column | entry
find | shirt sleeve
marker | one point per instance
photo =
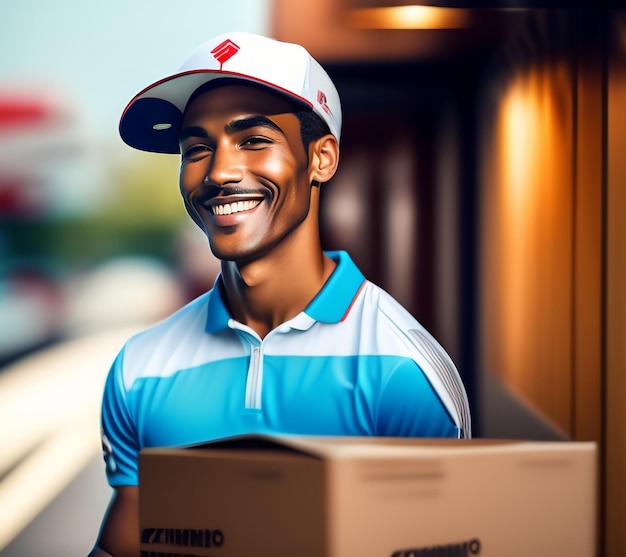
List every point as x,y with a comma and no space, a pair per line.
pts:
410,407
119,435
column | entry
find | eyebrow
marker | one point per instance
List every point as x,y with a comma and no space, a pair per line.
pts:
248,122
238,125
192,131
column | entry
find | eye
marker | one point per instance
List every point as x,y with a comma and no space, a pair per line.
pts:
197,151
255,142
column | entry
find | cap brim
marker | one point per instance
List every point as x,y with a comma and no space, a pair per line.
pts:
152,119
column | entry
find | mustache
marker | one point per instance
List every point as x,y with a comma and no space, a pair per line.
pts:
212,191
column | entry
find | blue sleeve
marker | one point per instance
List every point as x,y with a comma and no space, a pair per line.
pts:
119,434
409,406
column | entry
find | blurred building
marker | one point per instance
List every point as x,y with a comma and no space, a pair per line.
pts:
39,139
482,183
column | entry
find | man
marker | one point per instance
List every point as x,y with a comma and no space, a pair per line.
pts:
291,340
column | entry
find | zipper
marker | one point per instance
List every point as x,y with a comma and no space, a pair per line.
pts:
254,381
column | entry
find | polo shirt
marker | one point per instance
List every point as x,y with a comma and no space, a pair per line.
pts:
353,363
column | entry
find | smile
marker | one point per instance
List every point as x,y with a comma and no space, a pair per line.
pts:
234,207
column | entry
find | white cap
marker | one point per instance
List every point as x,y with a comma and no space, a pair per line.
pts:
152,119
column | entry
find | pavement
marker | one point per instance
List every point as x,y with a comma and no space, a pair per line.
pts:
53,491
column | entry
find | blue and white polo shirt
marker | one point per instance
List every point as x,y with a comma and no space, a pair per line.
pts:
354,362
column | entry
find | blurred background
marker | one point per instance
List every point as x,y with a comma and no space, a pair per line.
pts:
481,183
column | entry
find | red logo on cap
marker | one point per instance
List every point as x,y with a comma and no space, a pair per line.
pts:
321,98
225,51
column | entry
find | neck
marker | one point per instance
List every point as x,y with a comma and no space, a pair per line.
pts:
273,289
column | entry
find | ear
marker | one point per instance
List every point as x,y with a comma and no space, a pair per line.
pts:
323,159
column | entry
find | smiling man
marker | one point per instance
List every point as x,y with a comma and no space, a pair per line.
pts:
291,339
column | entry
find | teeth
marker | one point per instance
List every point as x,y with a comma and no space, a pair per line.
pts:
234,207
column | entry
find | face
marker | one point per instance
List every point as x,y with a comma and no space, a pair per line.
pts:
244,171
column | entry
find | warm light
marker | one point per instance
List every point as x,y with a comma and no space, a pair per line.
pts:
520,132
527,230
409,17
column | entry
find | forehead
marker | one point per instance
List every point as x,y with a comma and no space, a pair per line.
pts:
230,100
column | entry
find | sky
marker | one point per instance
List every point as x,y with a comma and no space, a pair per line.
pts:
89,58
98,55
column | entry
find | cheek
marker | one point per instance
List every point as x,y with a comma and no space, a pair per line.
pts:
190,176
285,170
186,182
183,180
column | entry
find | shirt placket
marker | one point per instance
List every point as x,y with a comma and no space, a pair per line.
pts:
254,382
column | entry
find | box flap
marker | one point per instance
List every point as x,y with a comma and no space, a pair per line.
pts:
254,442
350,447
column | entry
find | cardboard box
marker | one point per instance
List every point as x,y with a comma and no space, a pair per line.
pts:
282,496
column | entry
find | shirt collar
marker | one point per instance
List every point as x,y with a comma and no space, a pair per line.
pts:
331,305
217,314
334,300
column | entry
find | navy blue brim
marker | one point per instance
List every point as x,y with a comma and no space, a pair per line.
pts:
152,125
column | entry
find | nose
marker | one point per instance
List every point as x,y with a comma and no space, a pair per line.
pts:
224,167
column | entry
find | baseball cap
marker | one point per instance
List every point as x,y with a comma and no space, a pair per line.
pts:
152,119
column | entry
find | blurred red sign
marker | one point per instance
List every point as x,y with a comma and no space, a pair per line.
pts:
23,112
